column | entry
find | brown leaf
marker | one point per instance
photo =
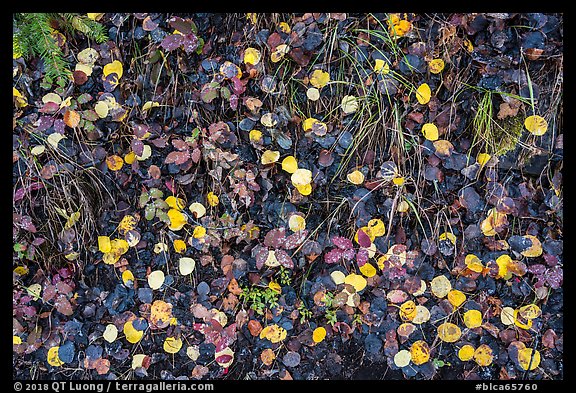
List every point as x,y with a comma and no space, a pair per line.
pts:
71,118
254,327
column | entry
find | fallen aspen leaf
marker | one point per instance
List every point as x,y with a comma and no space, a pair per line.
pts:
52,357
466,353
113,67
212,199
355,177
197,209
175,203
172,344
177,219
349,104
179,246
313,94
420,352
537,125
456,297
289,164
436,66
356,280
132,335
483,355
156,279
473,263
274,333
408,310
252,56
301,177
319,79
110,333
402,358
296,223
507,316
127,276
186,265
472,319
449,332
381,67
104,244
368,270
423,94
279,52
199,232
440,286
269,157
319,334
430,131
528,359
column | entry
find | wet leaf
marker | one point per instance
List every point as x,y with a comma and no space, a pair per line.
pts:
402,358
274,333
408,311
186,265
132,335
110,333
338,277
423,93
436,66
430,131
420,352
113,67
472,319
483,355
156,279
289,164
104,244
449,332
422,315
319,79
537,125
466,352
474,263
160,314
301,177
319,334
269,157
172,344
530,311
368,270
355,177
507,316
252,56
440,286
528,359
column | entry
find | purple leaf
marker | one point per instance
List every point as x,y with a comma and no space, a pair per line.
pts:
44,123
555,277
275,238
172,42
140,130
537,269
362,257
349,254
284,259
183,26
237,86
59,126
233,102
137,146
50,108
190,43
333,256
342,243
295,239
363,239
260,254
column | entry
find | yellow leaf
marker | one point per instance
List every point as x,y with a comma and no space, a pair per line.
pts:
130,158
521,322
274,333
110,333
199,232
483,355
430,131
110,258
356,280
175,203
301,177
50,97
296,223
54,138
149,105
197,209
420,352
127,223
440,286
313,94
156,279
305,189
530,311
355,177
422,315
468,45
72,220
338,277
381,67
474,263
528,359
273,285
349,104
53,358
177,220
448,235
466,352
284,27
403,207
252,56
104,244
34,290
436,66
503,262
449,332
472,319
289,164
507,316
319,79
309,123
368,270
483,158
377,227
172,344
179,246
115,66
493,221
132,335
212,199
186,265
402,358
95,16
255,136
279,53
423,94
368,231
319,334
16,340
535,250
127,276
456,297
101,109
269,157
114,163
138,360
537,125
21,270
408,310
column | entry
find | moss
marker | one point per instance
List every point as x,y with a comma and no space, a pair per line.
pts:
507,133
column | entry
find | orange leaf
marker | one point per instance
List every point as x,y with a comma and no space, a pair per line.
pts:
71,118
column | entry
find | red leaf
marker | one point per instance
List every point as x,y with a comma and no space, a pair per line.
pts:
177,157
183,26
342,243
172,42
362,257
363,239
333,256
275,238
284,259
